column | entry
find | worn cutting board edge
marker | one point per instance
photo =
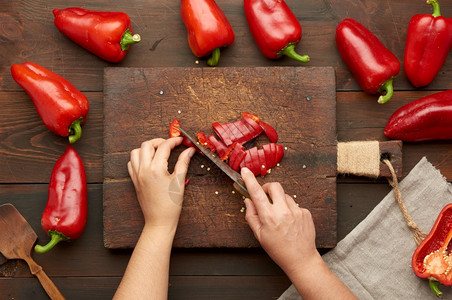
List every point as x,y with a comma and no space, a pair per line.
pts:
312,88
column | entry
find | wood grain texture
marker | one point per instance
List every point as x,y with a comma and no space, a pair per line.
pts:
84,268
141,103
29,150
180,287
28,30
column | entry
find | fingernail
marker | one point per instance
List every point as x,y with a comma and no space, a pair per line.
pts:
245,170
191,152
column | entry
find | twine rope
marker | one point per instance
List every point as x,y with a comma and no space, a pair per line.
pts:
419,236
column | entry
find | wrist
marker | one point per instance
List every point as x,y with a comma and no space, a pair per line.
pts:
304,267
159,231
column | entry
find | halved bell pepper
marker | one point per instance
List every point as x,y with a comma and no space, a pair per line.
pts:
433,257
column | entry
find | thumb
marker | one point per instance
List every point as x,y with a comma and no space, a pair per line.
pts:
183,161
253,218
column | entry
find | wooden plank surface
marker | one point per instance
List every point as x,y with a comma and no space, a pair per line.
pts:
299,102
28,150
28,32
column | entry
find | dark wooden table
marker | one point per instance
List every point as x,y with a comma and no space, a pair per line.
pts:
84,269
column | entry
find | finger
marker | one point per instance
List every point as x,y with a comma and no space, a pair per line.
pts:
276,193
252,218
183,162
291,202
257,194
163,152
148,150
130,169
135,158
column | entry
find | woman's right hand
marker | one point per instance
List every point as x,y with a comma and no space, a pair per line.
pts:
285,230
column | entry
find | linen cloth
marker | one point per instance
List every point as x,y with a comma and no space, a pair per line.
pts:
374,259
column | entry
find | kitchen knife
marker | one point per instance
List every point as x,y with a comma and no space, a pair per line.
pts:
238,184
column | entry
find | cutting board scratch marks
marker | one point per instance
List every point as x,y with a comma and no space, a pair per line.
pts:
211,213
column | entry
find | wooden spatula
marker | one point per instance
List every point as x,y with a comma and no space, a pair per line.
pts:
16,242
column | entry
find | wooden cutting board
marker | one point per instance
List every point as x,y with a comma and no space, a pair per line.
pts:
300,102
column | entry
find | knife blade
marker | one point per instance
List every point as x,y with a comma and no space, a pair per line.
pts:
238,184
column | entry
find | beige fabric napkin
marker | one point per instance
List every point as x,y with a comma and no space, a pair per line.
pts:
374,260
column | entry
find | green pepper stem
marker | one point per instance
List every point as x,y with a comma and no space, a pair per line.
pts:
129,39
388,91
436,10
75,130
434,286
213,60
55,238
289,51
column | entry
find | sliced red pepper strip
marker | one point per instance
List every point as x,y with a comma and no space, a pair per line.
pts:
229,133
241,126
173,130
205,141
221,148
239,136
232,157
269,131
251,116
269,155
279,153
222,134
262,162
238,160
255,164
225,156
256,127
66,212
106,34
246,161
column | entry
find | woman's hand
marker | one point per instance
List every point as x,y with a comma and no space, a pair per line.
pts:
159,193
284,230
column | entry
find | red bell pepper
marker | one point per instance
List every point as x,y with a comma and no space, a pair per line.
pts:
429,40
62,107
175,132
251,116
239,131
236,156
269,131
66,212
208,28
433,257
205,141
259,161
274,27
427,118
372,64
222,150
106,34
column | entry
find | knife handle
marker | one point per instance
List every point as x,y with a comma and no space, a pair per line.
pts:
240,189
